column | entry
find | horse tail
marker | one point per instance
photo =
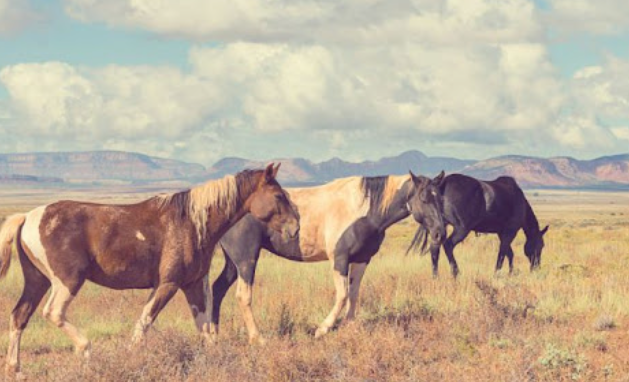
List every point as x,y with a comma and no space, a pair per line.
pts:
7,234
420,241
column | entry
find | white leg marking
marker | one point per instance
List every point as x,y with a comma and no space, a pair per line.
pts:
341,285
356,272
244,294
13,354
143,323
55,312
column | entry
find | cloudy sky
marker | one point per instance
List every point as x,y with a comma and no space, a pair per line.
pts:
199,80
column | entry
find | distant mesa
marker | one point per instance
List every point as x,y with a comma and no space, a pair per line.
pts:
97,166
118,167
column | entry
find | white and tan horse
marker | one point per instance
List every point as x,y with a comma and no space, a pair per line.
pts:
343,221
164,243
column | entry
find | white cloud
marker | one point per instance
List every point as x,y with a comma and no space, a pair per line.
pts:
15,15
600,17
403,89
621,132
603,90
471,71
330,22
410,87
57,99
582,133
595,109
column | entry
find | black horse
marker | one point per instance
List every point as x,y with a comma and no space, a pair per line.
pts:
498,206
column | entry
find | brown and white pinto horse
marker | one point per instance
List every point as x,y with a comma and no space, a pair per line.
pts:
343,221
164,243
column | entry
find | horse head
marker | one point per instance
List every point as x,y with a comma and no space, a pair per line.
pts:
426,207
533,248
269,203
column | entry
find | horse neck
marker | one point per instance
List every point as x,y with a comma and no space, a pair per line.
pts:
220,221
391,215
531,225
246,186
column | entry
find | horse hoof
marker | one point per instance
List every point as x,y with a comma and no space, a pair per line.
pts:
321,332
85,351
209,339
13,373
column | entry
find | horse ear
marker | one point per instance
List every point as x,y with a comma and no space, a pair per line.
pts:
416,180
439,178
269,172
276,169
542,232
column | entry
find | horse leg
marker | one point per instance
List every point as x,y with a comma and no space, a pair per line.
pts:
356,272
57,306
501,259
244,294
199,302
219,289
339,274
35,287
160,297
457,236
434,255
505,249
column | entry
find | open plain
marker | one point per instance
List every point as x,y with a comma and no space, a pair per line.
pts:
567,321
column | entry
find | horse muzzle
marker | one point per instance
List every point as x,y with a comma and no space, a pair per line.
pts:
290,231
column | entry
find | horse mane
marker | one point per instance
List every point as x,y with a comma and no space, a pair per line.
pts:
381,190
531,225
419,242
226,194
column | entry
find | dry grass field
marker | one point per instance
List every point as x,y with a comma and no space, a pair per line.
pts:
569,321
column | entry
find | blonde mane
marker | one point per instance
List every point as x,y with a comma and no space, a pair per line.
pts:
394,183
381,190
221,194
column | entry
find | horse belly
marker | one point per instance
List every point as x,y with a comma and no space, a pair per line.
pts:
490,225
125,264
136,274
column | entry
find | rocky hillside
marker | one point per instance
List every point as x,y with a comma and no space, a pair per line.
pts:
299,170
95,166
610,171
102,167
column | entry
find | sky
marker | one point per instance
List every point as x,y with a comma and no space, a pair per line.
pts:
199,80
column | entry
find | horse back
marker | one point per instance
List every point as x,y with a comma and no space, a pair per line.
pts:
506,200
484,206
325,214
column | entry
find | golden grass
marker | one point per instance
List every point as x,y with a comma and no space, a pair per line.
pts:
568,321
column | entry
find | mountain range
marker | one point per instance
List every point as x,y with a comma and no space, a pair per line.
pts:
116,167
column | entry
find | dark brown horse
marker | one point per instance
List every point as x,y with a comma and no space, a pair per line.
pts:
164,243
498,206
